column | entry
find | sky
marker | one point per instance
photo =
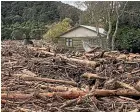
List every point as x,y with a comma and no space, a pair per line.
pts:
73,3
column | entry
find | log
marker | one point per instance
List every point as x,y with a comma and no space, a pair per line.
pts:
95,55
96,92
42,50
135,110
47,53
93,76
25,71
58,88
84,62
124,85
74,94
48,80
16,96
38,48
79,61
19,109
137,87
135,72
65,95
6,101
4,88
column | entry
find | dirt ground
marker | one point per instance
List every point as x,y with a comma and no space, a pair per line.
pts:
39,79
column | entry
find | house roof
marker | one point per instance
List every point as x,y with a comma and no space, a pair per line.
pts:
101,30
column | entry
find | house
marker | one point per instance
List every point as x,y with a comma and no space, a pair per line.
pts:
74,38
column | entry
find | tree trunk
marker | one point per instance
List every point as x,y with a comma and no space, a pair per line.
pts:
48,80
114,35
109,31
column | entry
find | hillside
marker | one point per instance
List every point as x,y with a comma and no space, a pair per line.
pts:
34,14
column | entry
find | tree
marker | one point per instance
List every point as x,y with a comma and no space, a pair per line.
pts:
58,29
32,17
118,15
17,35
128,39
131,16
105,13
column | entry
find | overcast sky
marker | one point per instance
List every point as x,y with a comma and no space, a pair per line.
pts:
73,3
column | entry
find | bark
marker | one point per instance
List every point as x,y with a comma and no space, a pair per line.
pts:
95,55
92,76
117,23
6,101
48,80
124,85
79,61
16,96
74,94
25,71
109,30
137,87
116,29
114,35
96,92
58,88
42,51
84,62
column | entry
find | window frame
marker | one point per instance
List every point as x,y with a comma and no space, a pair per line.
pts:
69,42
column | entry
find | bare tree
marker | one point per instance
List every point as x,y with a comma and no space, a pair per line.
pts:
105,12
118,15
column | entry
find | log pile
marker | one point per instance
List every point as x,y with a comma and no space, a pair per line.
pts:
41,80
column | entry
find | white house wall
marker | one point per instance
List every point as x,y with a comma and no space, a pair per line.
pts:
80,32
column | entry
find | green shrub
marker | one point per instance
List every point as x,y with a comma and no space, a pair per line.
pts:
129,39
58,29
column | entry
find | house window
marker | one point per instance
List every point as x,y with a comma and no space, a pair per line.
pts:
69,42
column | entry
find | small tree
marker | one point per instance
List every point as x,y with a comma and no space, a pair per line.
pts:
16,35
129,39
58,29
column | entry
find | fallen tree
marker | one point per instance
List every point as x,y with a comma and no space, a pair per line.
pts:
48,80
96,92
80,61
75,94
16,96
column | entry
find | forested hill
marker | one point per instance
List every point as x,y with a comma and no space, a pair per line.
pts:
34,14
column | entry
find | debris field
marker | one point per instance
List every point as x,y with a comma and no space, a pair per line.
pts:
45,79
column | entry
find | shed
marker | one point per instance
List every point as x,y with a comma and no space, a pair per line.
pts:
74,38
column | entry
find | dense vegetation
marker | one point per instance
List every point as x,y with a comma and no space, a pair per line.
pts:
58,29
33,18
128,36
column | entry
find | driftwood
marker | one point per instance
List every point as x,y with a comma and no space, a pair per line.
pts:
16,96
29,78
135,110
74,94
25,71
137,87
5,101
22,87
58,88
96,92
124,85
84,62
95,55
92,76
79,61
